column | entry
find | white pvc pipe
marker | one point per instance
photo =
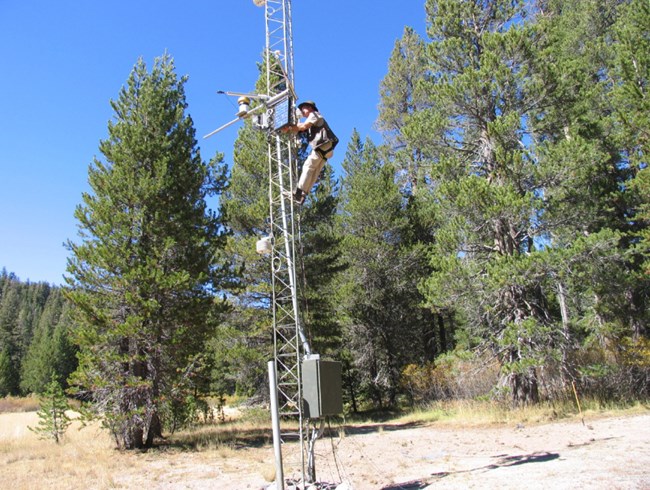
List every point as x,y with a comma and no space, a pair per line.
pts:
275,423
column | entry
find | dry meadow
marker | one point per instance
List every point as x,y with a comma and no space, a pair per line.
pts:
598,452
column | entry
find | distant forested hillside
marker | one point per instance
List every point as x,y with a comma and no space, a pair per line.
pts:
34,336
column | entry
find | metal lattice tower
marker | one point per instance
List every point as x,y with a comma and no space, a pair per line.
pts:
289,341
290,347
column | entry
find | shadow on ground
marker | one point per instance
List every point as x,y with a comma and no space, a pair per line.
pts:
504,461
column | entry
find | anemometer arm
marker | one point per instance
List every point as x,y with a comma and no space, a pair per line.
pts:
221,127
244,110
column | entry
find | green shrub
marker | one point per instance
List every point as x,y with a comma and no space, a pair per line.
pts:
53,421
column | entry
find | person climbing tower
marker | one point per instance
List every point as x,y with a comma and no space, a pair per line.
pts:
322,141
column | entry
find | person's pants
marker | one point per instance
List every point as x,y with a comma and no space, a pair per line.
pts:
311,170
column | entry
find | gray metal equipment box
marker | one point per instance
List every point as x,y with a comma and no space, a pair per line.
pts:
321,388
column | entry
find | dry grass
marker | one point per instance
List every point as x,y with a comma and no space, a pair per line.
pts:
470,413
15,404
84,458
87,457
220,436
196,458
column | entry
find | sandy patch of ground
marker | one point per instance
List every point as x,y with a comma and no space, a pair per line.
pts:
606,453
612,453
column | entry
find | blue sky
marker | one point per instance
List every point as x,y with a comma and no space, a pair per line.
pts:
62,62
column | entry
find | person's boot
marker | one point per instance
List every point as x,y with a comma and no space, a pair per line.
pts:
299,196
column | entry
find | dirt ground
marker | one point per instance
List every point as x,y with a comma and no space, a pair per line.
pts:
605,453
611,453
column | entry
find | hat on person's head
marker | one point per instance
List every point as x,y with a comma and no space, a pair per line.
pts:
309,103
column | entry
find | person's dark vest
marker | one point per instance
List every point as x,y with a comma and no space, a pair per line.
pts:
321,138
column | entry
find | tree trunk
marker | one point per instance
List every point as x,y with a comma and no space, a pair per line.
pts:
133,438
524,388
155,430
443,334
566,371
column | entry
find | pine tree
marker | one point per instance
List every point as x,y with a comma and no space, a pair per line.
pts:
144,275
51,351
53,421
402,95
587,137
10,306
378,295
65,351
631,71
7,374
530,191
242,347
319,265
483,200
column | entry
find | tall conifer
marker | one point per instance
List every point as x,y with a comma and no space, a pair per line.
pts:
143,275
483,199
379,303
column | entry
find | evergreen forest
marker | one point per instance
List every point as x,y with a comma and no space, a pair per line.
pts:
494,245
